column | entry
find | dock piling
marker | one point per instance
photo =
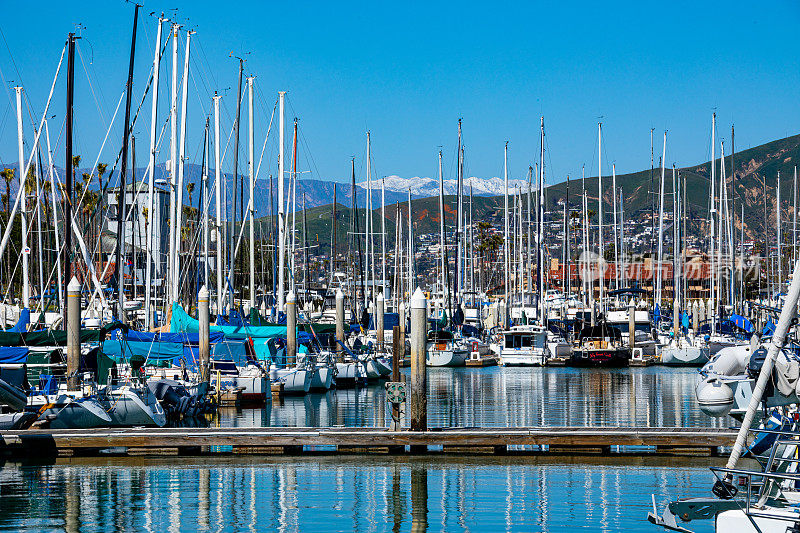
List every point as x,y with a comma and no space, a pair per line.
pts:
419,377
73,332
379,309
291,329
631,325
204,333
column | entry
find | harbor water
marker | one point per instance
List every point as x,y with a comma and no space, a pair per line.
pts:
392,493
331,494
652,396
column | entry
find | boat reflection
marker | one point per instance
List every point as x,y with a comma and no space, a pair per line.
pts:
506,396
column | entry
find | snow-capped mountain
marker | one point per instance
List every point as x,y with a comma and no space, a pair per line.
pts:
426,187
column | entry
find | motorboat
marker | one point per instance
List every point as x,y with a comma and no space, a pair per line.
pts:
524,346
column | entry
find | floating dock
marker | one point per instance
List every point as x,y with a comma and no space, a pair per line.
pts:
333,440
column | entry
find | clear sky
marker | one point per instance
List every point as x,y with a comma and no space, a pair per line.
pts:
407,71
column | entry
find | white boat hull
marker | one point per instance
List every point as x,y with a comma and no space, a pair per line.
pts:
454,357
684,355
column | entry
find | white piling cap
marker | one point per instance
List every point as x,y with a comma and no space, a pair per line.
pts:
380,296
291,298
339,294
203,293
418,300
74,285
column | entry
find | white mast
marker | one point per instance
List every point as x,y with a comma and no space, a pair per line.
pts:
660,259
410,249
778,227
218,185
616,241
601,273
712,213
173,145
150,188
179,206
540,241
281,211
622,238
676,248
252,169
506,250
51,171
445,288
23,213
367,230
204,193
794,217
528,270
383,235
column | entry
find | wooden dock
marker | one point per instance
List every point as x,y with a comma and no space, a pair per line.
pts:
332,440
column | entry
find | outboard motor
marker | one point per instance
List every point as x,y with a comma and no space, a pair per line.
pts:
754,369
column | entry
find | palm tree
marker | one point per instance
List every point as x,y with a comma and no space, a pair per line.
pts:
8,176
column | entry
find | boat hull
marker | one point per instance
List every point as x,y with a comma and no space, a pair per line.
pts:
600,357
447,357
78,414
684,356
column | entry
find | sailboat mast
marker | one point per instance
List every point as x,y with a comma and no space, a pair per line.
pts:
204,196
68,160
506,242
601,273
540,219
173,146
442,254
778,228
660,259
457,280
616,241
237,124
712,257
383,237
119,269
218,198
24,210
252,191
281,208
410,249
181,158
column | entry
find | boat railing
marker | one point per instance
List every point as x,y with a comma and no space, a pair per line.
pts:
751,507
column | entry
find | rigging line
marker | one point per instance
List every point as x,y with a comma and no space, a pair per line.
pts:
91,86
97,160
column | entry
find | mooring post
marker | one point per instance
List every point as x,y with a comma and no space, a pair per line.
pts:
339,324
631,325
204,333
380,303
291,329
397,342
402,313
73,332
419,378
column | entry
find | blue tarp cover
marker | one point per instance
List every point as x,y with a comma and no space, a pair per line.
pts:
182,337
13,354
22,324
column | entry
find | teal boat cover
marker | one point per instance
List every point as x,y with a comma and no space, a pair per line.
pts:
182,323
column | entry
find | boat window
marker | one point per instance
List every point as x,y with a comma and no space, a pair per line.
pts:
509,341
526,341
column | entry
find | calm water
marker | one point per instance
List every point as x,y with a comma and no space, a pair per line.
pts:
516,396
344,494
396,493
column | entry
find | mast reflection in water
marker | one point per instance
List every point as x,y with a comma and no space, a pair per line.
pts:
497,396
343,494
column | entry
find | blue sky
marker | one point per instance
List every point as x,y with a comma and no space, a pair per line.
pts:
407,71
